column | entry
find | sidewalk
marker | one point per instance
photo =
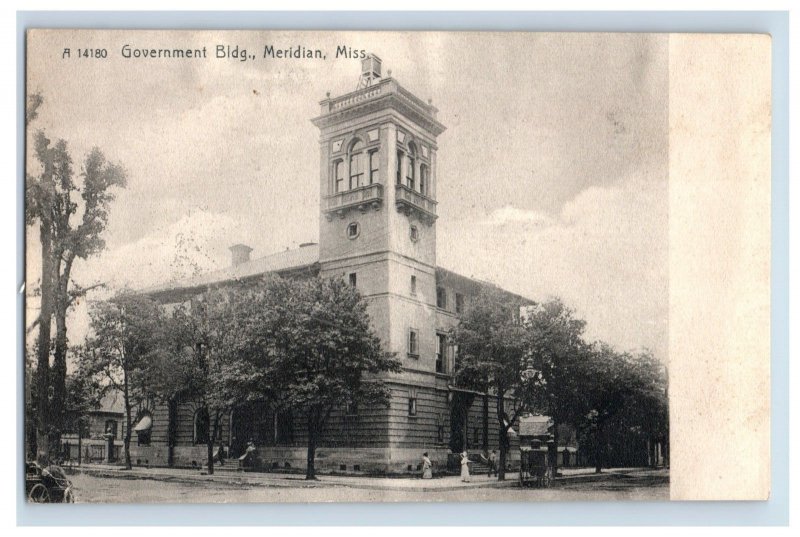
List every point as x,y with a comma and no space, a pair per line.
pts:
445,483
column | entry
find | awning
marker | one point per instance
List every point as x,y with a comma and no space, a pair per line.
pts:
145,424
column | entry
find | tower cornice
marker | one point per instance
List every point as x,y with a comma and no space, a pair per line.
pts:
386,94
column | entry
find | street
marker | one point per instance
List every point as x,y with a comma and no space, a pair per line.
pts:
95,489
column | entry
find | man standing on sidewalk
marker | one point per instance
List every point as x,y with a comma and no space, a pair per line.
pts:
493,463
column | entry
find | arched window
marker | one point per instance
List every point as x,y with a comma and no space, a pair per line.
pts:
338,174
411,166
356,164
201,424
400,157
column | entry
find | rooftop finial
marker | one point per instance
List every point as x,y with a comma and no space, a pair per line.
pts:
370,71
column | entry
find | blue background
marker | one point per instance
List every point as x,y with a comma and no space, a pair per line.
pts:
772,512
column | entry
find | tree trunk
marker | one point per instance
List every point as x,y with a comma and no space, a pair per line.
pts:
210,443
128,429
43,351
555,441
312,448
486,424
58,378
598,450
501,418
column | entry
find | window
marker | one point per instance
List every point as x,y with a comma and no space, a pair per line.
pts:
201,425
111,428
353,230
476,436
441,298
459,303
413,342
352,279
374,166
399,167
351,408
441,348
423,179
440,429
410,167
338,173
414,233
356,169
413,285
412,402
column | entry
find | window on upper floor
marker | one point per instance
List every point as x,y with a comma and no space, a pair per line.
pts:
423,179
459,303
441,356
338,174
411,167
413,285
356,164
353,230
400,157
374,166
441,298
413,342
352,278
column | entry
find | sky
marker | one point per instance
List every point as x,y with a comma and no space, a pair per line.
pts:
551,175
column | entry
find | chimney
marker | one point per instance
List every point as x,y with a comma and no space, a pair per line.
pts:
240,253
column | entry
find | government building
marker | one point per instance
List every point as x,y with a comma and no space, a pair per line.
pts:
378,204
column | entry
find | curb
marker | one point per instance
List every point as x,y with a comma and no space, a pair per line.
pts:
260,480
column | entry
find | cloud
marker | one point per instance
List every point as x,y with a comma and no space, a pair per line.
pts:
605,255
198,240
512,215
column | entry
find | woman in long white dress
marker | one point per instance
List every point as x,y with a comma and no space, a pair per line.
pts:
427,467
464,467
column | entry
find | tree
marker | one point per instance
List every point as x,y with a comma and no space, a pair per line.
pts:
192,361
51,201
626,395
308,346
40,201
125,331
556,347
492,350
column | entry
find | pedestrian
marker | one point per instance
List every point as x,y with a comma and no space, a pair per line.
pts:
464,467
427,467
493,463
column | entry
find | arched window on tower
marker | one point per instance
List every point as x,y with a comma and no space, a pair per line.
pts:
411,166
356,164
338,174
423,179
374,166
400,157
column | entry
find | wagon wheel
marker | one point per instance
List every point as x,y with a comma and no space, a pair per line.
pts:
39,494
